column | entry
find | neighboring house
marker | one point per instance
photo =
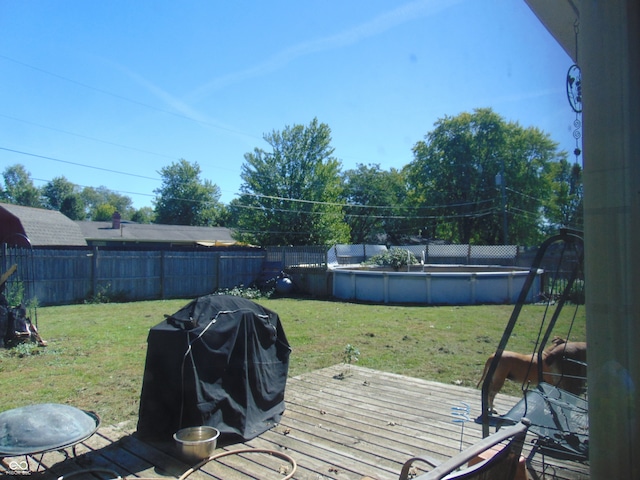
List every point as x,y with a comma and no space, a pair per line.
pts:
118,233
74,261
37,227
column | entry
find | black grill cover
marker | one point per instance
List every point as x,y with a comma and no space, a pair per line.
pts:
220,361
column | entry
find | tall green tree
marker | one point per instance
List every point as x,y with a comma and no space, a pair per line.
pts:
98,201
143,215
73,207
19,188
290,195
103,212
452,179
185,199
55,191
565,206
375,201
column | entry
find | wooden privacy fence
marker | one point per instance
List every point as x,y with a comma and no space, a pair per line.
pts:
64,276
60,276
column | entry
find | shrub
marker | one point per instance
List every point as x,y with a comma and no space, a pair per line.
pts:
250,293
395,258
104,294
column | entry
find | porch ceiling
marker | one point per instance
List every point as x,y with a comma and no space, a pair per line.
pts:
560,18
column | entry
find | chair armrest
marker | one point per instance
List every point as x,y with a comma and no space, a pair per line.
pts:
512,433
404,473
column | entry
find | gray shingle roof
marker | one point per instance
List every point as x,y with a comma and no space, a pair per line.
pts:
52,228
137,232
42,227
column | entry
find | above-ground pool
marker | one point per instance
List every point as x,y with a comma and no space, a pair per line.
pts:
434,284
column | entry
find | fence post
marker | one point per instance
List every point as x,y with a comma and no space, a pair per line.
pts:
5,253
162,274
94,271
216,259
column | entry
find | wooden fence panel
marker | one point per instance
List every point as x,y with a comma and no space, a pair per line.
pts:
66,276
237,270
133,275
61,277
189,274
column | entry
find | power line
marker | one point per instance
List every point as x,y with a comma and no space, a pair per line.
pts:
106,142
352,205
77,164
314,202
126,99
89,186
477,214
270,197
523,194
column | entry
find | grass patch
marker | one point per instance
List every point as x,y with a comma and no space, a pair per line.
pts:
96,353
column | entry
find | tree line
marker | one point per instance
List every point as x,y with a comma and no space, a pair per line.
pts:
475,178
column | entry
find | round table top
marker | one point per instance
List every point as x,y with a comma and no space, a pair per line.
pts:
44,427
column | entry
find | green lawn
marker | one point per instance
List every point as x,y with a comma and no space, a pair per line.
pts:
96,353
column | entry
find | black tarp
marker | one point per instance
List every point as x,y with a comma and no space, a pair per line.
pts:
220,361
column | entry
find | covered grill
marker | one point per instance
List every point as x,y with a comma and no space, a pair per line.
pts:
220,361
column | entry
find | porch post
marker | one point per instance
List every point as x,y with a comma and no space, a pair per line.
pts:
609,56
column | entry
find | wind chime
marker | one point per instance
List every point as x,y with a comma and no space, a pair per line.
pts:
574,94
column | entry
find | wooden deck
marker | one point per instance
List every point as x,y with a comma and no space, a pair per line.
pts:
365,424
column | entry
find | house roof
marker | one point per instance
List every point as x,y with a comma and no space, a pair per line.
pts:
40,226
153,233
27,226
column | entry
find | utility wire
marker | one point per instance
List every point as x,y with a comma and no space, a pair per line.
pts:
257,195
353,205
522,194
126,99
315,202
77,164
106,142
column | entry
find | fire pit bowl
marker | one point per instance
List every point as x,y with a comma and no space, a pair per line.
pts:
196,443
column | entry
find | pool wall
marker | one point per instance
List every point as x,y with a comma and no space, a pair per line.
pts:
451,286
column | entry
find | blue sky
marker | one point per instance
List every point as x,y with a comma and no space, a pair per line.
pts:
107,93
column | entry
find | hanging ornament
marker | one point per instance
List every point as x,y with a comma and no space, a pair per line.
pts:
574,95
574,88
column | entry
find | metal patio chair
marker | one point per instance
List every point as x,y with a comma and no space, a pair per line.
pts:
502,465
557,407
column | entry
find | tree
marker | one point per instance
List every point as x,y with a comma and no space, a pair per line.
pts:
19,189
62,195
375,200
73,207
184,199
56,190
103,213
452,179
565,206
290,196
143,215
100,200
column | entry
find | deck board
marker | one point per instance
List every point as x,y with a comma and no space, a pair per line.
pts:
366,423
